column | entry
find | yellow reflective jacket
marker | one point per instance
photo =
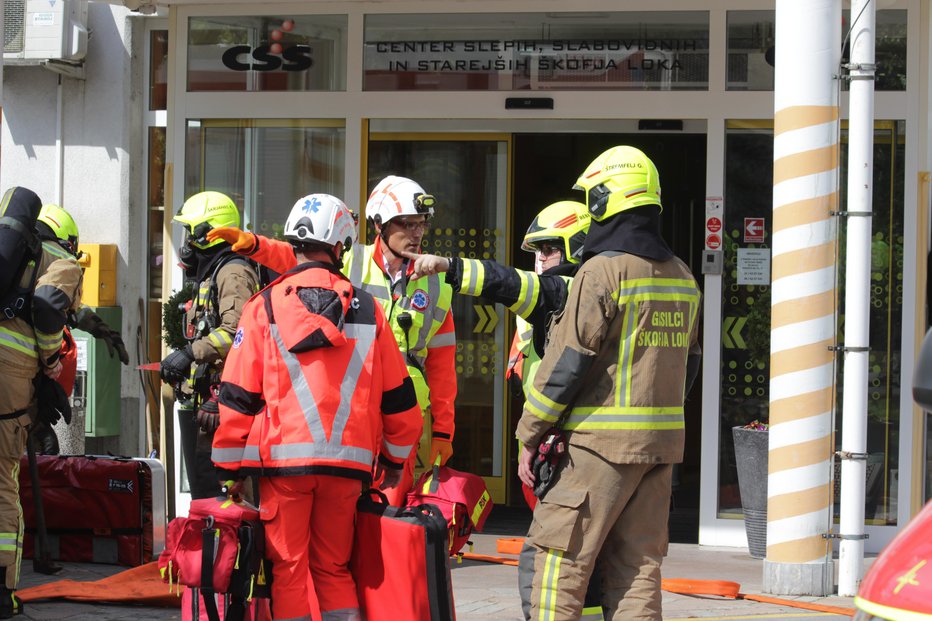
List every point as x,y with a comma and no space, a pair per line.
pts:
57,292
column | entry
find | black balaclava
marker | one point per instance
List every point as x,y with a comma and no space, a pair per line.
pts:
206,259
633,231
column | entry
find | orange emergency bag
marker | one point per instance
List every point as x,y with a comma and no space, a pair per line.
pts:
462,497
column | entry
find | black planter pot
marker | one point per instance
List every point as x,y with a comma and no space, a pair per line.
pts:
751,448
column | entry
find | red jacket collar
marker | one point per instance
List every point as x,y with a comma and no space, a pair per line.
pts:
379,258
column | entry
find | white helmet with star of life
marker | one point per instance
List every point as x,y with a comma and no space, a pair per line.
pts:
322,219
398,196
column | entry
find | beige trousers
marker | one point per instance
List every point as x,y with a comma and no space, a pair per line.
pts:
617,513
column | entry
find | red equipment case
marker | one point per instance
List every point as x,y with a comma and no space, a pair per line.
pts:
462,497
98,509
399,555
194,609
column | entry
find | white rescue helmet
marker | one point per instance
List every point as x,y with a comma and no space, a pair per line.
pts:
323,219
398,196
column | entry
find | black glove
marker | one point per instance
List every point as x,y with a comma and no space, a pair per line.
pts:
51,401
176,367
91,322
547,460
44,439
208,416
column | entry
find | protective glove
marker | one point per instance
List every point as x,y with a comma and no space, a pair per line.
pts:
240,241
51,401
440,447
176,366
208,416
91,322
44,439
233,485
389,477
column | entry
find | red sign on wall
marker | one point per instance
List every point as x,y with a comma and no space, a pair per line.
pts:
754,230
713,241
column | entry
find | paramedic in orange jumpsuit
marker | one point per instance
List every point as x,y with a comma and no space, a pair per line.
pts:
314,392
417,306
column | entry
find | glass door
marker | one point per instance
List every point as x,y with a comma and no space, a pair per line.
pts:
468,174
745,353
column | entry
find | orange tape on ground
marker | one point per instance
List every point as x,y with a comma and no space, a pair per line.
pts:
501,560
722,588
838,610
507,545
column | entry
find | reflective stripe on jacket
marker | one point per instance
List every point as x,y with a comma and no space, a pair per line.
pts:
431,339
616,360
534,298
301,394
57,293
236,282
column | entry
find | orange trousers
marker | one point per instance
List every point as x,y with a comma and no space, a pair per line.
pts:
309,523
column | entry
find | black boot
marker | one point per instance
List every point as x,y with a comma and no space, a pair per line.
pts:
9,604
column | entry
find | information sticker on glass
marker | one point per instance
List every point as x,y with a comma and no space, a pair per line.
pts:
753,266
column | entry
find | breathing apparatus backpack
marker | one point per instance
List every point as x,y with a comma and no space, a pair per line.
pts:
19,246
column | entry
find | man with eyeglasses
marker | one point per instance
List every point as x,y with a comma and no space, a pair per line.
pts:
417,308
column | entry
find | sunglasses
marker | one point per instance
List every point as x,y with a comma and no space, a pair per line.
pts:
545,249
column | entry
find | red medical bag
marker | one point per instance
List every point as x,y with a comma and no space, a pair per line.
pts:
194,609
97,509
400,554
217,552
462,497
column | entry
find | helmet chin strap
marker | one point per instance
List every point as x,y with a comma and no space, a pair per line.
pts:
384,237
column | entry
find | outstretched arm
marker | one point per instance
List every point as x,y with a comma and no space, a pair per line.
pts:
531,296
274,254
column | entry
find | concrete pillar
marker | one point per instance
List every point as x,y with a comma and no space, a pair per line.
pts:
802,374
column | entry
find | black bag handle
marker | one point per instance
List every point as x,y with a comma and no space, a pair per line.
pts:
207,570
247,550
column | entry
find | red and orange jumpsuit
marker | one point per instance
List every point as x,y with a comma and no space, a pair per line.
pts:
419,315
313,392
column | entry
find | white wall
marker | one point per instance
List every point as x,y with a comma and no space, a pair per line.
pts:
103,169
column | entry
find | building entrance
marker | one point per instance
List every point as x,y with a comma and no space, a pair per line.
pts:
489,187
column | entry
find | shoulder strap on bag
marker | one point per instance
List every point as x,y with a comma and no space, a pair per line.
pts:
208,537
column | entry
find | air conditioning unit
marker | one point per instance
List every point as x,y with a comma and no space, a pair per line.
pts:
37,31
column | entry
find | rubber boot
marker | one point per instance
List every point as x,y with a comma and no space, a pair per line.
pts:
9,604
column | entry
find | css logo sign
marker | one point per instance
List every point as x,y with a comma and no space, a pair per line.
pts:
237,58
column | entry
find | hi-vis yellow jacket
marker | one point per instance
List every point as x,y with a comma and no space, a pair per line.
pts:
27,346
615,363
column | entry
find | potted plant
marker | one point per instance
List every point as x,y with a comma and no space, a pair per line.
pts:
751,448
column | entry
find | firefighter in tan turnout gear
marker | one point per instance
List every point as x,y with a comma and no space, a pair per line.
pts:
615,372
225,281
46,289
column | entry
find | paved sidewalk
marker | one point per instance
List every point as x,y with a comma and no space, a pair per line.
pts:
487,591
